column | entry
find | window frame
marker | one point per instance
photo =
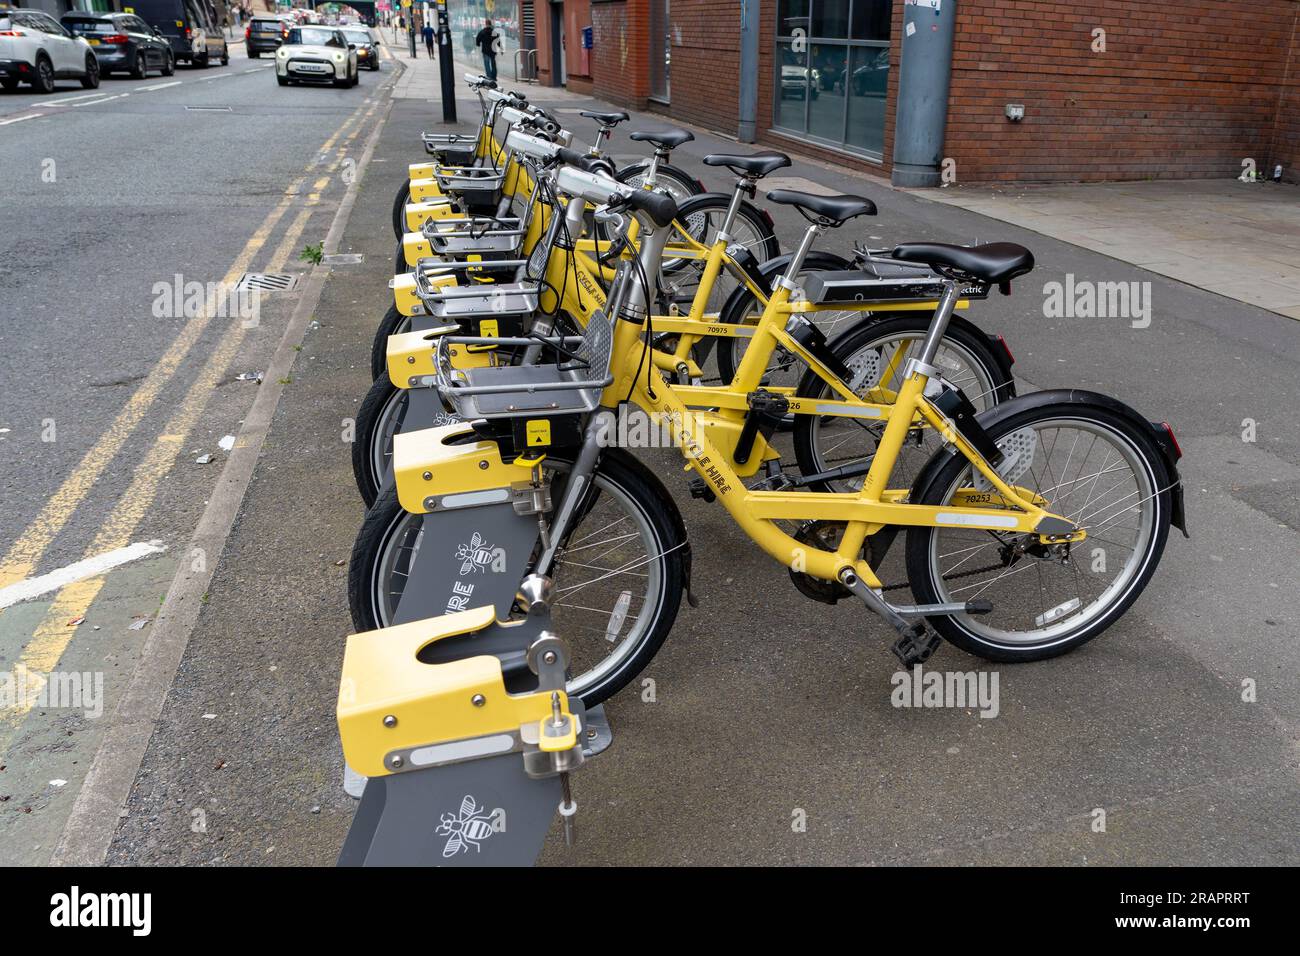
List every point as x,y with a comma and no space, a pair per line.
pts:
786,41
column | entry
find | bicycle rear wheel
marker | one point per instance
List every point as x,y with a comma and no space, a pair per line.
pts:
1096,463
876,352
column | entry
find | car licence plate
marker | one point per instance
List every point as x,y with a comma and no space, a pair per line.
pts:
310,67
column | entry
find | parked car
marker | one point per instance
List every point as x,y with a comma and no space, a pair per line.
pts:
367,48
36,49
265,34
873,76
123,43
317,53
798,81
189,26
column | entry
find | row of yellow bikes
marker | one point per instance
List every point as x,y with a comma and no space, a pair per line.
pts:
562,330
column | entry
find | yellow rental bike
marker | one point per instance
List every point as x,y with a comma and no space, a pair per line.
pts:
1002,524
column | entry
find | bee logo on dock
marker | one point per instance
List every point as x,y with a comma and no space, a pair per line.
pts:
468,828
478,555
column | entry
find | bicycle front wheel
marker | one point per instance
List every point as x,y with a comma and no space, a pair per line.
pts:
618,577
1094,462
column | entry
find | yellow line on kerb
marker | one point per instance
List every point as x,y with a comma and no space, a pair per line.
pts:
52,636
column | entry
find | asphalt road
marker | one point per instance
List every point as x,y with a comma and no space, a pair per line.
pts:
113,201
770,709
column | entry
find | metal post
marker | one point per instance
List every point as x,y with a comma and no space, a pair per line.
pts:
923,79
747,127
445,65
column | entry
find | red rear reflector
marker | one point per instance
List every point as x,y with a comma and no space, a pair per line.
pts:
1178,451
116,38
12,33
1006,348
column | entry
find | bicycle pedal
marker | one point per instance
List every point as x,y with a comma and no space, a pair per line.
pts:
699,488
916,644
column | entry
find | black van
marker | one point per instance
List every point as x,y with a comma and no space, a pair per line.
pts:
190,26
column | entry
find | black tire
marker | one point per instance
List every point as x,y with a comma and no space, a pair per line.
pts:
742,307
933,487
43,76
399,260
637,487
961,334
399,208
760,223
225,55
8,85
382,401
169,64
392,323
282,80
139,69
254,55
91,80
203,62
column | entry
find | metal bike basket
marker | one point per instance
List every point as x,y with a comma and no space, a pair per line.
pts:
570,386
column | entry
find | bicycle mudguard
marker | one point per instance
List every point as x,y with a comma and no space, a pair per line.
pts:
450,721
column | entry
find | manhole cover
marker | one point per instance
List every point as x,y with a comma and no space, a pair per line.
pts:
342,259
267,282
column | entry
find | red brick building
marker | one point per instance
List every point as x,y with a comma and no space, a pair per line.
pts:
1111,89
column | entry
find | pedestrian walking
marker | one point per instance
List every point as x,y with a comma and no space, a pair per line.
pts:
427,33
486,41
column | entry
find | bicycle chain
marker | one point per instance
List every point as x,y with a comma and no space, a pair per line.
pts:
950,577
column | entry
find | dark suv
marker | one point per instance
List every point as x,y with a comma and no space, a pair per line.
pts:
264,35
123,43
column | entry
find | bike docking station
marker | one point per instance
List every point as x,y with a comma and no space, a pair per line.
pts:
459,737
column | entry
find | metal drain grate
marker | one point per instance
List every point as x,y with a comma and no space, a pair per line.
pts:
267,282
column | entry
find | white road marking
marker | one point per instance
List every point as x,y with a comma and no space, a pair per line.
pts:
157,86
69,99
79,571
97,102
219,76
256,69
19,119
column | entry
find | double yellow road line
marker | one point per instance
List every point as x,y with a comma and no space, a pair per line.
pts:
52,636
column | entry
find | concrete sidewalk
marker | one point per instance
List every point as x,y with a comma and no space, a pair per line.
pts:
1239,240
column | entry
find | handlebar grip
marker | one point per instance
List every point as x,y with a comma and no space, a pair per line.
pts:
660,207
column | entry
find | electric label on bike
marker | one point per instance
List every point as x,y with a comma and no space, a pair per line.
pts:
489,329
538,432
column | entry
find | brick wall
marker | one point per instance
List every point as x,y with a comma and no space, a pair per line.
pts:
1182,90
620,67
705,82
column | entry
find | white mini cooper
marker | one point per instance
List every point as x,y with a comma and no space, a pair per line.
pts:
318,54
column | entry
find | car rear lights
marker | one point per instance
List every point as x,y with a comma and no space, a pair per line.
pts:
12,33
115,38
